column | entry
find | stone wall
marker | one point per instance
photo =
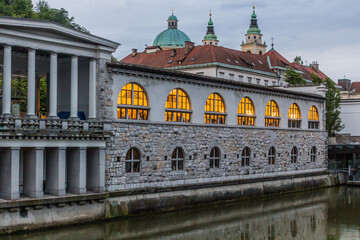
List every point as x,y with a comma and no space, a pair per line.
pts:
157,141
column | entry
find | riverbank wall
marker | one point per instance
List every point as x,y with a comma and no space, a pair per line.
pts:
30,214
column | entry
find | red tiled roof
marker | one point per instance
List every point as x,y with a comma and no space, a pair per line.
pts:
276,59
307,70
200,55
355,87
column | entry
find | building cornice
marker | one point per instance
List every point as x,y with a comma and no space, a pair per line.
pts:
217,64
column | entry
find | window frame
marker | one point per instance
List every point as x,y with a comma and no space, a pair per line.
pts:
271,156
177,159
313,123
294,122
209,115
131,107
214,161
274,119
294,155
247,118
177,110
313,154
131,161
245,157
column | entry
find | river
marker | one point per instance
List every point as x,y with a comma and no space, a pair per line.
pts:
332,213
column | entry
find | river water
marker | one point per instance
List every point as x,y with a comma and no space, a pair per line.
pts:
332,213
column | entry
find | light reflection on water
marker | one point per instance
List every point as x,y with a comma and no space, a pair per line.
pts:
322,214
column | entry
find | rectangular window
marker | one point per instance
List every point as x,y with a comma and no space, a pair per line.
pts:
200,73
249,79
266,82
294,124
274,83
313,125
241,78
221,75
272,122
231,76
258,81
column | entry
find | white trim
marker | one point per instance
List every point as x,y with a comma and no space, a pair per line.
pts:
34,143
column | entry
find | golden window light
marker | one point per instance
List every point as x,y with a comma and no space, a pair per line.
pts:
246,113
313,114
177,107
132,103
294,112
215,109
272,109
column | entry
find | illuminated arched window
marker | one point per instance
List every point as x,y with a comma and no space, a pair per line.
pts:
215,158
132,161
272,114
294,155
133,103
313,118
245,157
177,160
272,156
177,107
294,116
313,154
215,109
246,112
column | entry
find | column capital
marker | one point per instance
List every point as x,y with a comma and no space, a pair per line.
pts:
62,148
54,53
15,148
82,148
6,45
31,49
74,56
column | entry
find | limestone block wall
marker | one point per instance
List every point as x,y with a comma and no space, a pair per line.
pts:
157,141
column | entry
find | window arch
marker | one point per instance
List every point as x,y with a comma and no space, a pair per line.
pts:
215,158
294,116
260,53
132,161
313,118
246,112
133,103
245,157
294,155
313,154
272,114
215,109
177,107
177,159
272,156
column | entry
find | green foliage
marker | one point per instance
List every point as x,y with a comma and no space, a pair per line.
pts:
333,120
113,59
25,9
293,78
298,60
316,79
43,96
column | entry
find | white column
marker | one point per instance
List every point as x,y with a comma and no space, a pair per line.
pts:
7,81
76,170
9,173
92,89
34,172
53,84
31,91
55,171
74,87
95,180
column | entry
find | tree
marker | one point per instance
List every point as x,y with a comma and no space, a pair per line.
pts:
25,9
333,120
293,78
316,79
298,60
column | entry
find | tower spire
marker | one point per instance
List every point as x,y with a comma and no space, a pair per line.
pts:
210,37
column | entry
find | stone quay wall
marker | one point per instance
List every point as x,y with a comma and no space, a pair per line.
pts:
157,141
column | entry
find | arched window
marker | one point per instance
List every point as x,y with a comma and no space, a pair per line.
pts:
246,113
260,53
313,154
215,158
294,116
177,160
245,157
132,161
177,107
272,156
294,155
313,118
133,103
249,51
272,114
215,109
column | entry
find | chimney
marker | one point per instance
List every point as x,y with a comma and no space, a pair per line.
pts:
173,52
134,52
315,66
188,47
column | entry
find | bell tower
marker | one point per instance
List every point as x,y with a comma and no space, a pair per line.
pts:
210,37
253,36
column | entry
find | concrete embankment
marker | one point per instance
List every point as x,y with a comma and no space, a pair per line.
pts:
29,214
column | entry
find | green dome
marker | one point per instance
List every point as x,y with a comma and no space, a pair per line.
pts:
171,37
253,30
172,17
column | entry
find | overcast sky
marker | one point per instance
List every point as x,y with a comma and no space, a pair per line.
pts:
327,31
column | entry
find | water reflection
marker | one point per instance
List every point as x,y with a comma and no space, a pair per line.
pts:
322,214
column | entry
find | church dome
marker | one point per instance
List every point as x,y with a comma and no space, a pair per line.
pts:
171,37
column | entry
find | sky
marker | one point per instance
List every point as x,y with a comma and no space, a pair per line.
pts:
326,31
